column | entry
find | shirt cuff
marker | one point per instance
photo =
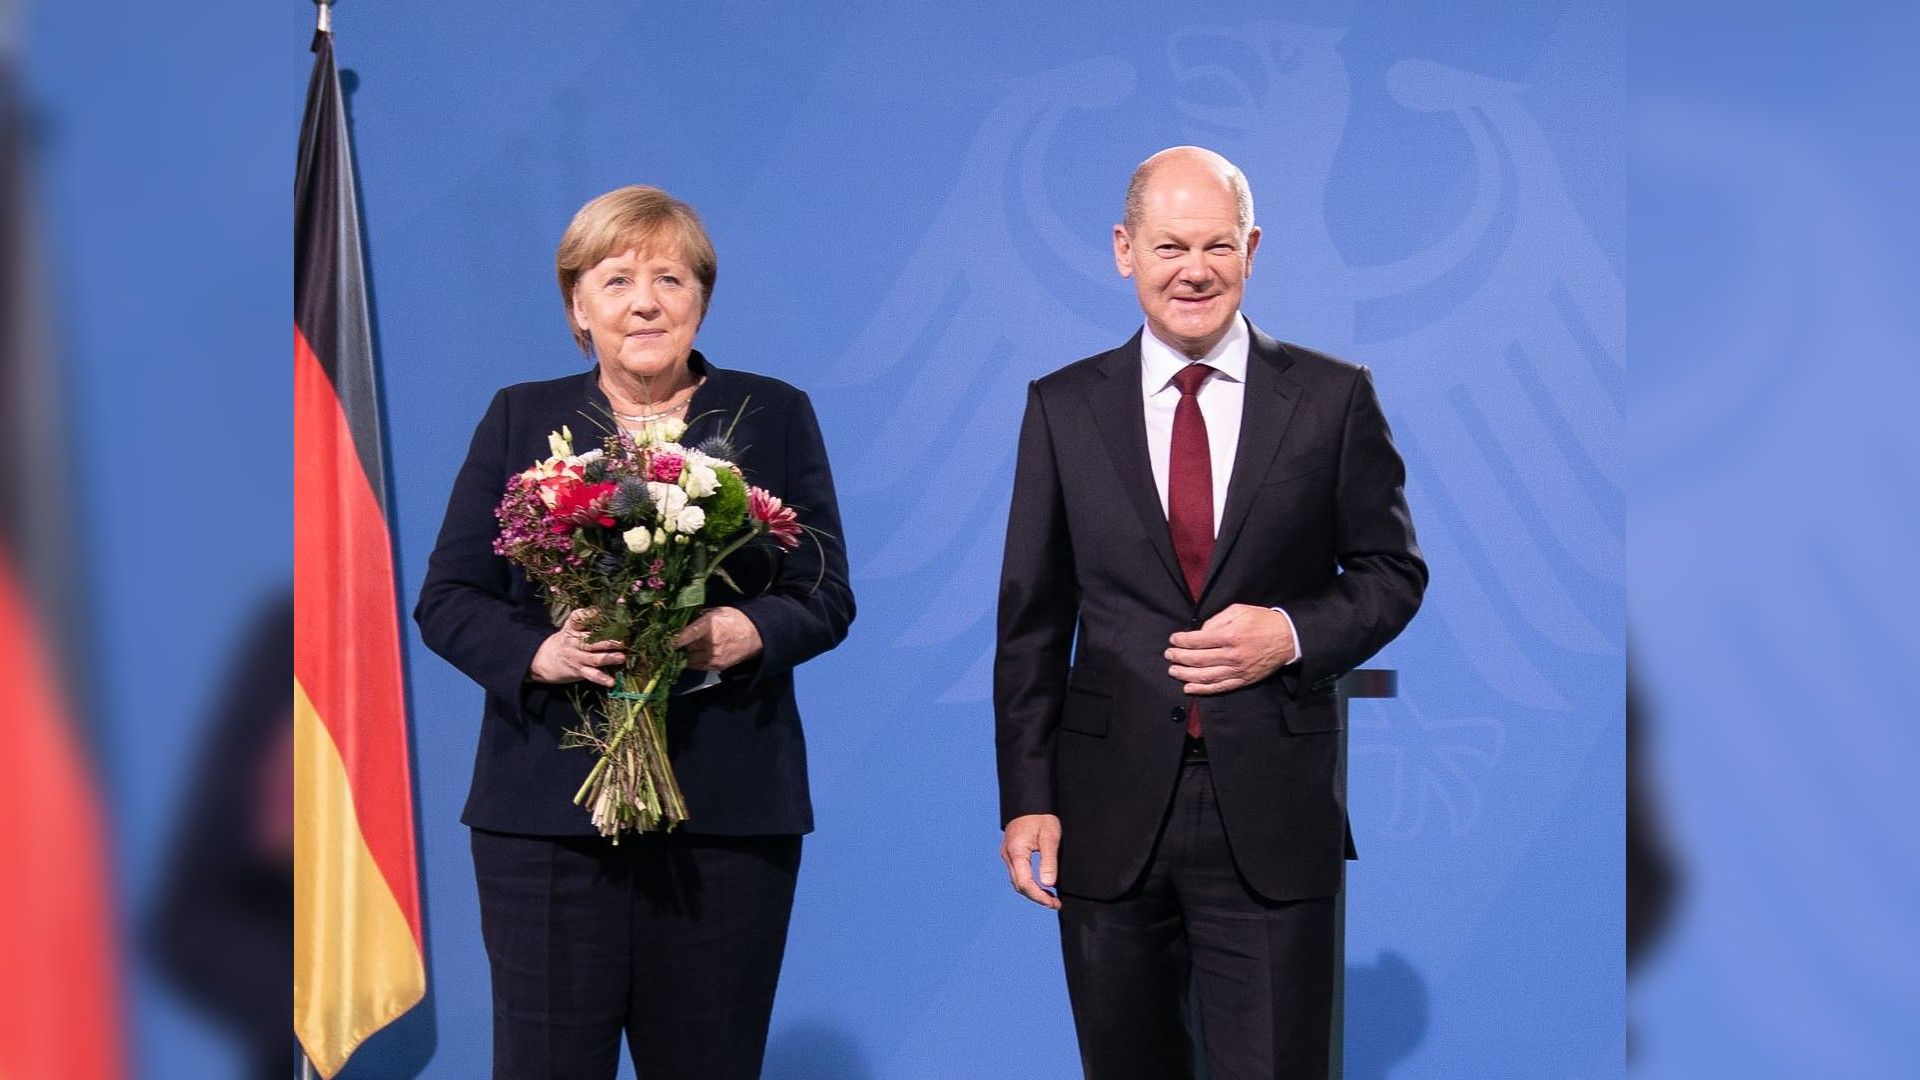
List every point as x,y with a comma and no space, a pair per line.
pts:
1298,650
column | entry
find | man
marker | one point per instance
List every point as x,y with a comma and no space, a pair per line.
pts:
1208,529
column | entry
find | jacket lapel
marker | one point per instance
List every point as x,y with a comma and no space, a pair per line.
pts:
1121,418
1264,415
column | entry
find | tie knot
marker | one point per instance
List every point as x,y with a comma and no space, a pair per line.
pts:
1189,378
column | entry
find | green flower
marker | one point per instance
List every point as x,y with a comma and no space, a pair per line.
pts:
727,508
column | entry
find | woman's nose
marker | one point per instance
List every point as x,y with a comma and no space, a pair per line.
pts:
645,304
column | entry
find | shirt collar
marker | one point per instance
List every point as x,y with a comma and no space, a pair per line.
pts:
1160,362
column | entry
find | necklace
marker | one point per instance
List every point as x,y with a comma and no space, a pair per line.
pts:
647,418
657,414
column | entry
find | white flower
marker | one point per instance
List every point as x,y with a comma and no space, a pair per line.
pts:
670,502
589,457
638,539
668,499
660,432
698,478
708,460
561,442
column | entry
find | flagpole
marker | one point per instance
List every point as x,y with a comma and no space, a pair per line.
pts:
323,24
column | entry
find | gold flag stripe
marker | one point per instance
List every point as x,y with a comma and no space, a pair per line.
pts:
355,963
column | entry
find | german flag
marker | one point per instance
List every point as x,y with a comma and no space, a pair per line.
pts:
358,961
59,986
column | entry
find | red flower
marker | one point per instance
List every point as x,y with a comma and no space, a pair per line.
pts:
779,519
665,466
581,503
550,480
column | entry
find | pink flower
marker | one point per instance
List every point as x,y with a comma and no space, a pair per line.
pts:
777,518
665,467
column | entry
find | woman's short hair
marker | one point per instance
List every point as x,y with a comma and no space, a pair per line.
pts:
636,216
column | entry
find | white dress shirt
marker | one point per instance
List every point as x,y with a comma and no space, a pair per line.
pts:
1221,399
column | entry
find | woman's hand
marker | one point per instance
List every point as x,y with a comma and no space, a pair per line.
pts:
720,638
567,656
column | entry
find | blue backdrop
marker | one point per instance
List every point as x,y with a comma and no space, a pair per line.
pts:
911,208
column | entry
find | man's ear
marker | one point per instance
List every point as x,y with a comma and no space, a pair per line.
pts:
1122,251
1253,242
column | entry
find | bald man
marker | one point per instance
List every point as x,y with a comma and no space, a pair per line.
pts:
1208,529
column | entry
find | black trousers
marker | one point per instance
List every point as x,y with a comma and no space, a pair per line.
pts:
673,941
1263,970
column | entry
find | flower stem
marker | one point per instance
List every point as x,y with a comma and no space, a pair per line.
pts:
619,736
721,556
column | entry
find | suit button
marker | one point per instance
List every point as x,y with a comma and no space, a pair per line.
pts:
1179,714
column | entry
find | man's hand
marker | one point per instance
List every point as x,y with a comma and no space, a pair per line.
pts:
567,656
1025,835
720,638
1236,648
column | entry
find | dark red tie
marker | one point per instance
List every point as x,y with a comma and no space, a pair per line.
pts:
1190,493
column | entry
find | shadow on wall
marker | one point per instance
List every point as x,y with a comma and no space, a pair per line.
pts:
1386,1016
815,1050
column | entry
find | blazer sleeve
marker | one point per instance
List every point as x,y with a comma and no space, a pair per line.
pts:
1039,604
809,605
465,611
1382,575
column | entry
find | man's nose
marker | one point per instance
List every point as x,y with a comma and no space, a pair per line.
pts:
1195,270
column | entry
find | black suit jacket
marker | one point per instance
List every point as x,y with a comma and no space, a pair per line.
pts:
1089,725
736,747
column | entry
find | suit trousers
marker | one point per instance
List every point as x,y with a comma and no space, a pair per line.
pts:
1262,970
673,941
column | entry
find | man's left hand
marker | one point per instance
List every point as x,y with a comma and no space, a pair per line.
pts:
1236,648
720,638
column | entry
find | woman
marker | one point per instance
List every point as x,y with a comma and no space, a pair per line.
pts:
674,940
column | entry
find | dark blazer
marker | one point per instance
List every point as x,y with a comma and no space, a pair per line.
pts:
1092,728
736,747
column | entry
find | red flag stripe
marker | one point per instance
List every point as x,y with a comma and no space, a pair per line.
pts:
58,1015
346,626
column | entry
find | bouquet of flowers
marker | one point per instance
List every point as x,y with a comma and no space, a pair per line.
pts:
631,531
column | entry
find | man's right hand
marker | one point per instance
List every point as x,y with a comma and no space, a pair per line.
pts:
1025,835
567,656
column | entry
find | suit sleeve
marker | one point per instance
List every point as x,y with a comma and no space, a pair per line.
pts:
1039,604
1382,575
464,611
809,606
